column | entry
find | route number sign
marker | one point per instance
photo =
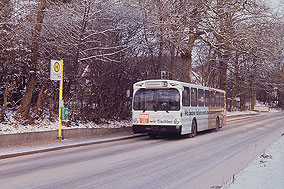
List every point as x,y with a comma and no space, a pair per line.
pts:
144,118
55,70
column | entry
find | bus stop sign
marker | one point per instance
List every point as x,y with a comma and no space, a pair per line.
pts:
55,70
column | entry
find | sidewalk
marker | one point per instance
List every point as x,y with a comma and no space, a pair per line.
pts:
14,151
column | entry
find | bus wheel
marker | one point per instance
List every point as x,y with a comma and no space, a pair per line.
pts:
217,124
193,129
153,135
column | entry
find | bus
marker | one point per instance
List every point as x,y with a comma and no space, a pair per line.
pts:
168,106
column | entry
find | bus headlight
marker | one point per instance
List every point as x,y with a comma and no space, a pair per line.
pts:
135,120
176,121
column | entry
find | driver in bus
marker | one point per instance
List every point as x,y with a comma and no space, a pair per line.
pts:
177,97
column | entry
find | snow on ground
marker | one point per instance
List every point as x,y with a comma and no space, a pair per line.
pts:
233,113
265,172
12,126
275,110
240,112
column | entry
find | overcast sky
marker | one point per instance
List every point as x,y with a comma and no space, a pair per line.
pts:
273,3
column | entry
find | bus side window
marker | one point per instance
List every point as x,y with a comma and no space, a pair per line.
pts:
222,100
212,99
217,97
207,98
193,97
186,96
201,98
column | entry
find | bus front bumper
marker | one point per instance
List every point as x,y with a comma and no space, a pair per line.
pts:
156,129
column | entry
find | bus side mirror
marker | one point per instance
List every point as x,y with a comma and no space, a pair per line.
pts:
128,93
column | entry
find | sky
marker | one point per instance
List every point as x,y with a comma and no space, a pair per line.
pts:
274,3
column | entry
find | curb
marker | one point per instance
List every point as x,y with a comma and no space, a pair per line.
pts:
240,117
66,146
52,135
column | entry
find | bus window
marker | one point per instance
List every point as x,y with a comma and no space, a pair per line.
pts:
186,97
193,97
200,97
207,98
212,99
157,100
222,100
217,99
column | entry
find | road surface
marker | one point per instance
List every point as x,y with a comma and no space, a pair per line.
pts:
207,161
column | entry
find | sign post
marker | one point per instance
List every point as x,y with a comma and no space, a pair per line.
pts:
56,73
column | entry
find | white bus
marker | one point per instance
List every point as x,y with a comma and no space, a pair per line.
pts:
167,106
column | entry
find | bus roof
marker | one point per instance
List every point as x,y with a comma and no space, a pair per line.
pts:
163,83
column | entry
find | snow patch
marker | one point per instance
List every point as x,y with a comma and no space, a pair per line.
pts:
240,113
266,171
275,110
250,112
12,126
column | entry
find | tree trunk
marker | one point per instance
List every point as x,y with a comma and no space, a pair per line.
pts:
223,70
159,65
236,75
8,90
158,70
173,62
187,59
39,104
252,87
243,102
187,54
27,98
206,74
280,98
49,99
186,66
253,94
223,76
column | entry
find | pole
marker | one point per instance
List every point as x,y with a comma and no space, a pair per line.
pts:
60,103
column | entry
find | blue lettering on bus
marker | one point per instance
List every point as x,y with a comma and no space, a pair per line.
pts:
191,113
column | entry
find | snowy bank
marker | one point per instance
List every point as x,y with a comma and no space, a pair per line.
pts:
265,172
12,126
235,113
249,112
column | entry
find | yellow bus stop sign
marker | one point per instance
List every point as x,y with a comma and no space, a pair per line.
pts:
55,70
56,73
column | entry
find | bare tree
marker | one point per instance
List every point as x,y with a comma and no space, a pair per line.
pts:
31,84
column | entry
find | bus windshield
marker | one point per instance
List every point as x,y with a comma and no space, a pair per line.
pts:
157,100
